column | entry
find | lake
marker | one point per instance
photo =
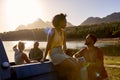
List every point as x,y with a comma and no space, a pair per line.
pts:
8,45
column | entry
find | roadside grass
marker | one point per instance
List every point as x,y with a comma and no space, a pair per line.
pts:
112,60
113,73
112,54
112,57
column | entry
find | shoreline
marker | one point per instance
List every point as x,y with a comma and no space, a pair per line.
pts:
116,40
110,40
99,40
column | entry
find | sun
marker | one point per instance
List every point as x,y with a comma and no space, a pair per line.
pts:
22,12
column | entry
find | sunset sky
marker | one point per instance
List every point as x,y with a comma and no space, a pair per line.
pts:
16,12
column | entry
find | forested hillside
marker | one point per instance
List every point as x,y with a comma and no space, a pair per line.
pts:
104,30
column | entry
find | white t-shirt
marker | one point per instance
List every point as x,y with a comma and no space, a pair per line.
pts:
18,57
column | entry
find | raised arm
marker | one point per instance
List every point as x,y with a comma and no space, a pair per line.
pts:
15,49
15,46
79,53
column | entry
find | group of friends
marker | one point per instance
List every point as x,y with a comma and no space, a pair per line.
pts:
35,54
86,64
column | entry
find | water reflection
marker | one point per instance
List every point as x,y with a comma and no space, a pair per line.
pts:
80,44
29,44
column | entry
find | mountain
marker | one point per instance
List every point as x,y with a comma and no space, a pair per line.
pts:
96,20
38,24
69,24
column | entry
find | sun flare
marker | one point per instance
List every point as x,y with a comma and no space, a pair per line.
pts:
22,12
